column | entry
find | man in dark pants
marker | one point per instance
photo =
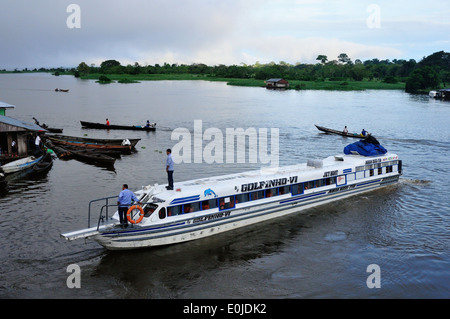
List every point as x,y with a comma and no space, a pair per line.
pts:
169,169
124,202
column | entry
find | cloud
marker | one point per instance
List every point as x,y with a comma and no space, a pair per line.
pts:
35,33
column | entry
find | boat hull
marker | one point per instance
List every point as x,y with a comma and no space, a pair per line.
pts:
197,227
116,127
20,165
99,144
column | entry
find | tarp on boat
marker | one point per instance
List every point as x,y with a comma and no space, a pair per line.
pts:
367,147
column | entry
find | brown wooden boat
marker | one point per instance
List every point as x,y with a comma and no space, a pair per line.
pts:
124,145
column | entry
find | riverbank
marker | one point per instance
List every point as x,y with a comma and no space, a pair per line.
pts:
295,84
341,85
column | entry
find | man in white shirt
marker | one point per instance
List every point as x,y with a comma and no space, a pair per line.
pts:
169,168
37,142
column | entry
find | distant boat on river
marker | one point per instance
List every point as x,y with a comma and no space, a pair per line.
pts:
150,127
50,129
332,131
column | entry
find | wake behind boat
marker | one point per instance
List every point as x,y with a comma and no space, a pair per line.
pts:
332,131
150,127
203,207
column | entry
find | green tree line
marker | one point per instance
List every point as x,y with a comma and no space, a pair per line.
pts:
431,72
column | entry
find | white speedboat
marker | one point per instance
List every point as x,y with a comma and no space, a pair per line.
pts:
209,206
20,164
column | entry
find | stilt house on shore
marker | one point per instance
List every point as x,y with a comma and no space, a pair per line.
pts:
23,134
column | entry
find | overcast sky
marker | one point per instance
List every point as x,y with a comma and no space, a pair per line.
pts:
42,33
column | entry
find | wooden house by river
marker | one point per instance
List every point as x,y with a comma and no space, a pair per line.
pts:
23,134
277,84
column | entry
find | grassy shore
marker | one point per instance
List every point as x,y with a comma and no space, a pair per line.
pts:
294,84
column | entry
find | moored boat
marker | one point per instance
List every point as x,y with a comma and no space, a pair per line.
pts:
3,182
150,127
93,157
93,143
20,164
203,207
443,94
44,165
49,129
332,131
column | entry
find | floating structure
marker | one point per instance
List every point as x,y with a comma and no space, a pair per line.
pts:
203,207
443,94
16,137
277,84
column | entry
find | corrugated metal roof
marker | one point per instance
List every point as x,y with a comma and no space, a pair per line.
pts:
274,80
28,126
6,105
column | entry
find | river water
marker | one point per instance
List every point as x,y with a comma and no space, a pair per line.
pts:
322,252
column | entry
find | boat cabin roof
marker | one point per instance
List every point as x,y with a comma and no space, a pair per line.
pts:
227,185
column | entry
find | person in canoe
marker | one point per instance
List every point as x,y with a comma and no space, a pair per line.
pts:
345,131
363,132
107,122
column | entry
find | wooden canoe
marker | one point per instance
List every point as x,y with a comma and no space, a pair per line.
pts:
93,157
118,127
331,131
124,145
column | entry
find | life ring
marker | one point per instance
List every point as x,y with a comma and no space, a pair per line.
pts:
141,214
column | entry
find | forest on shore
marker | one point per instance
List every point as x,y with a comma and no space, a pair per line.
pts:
432,72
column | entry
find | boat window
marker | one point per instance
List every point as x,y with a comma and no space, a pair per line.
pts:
309,185
162,213
388,169
149,209
297,189
209,204
330,181
380,170
283,190
371,172
191,207
174,210
320,182
271,192
257,195
350,177
242,198
226,202
359,168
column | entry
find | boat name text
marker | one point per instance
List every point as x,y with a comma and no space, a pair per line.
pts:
330,173
210,217
268,184
343,188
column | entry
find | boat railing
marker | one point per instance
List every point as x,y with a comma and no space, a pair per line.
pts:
104,207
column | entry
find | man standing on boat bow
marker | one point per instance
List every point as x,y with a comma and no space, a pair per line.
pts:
125,198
